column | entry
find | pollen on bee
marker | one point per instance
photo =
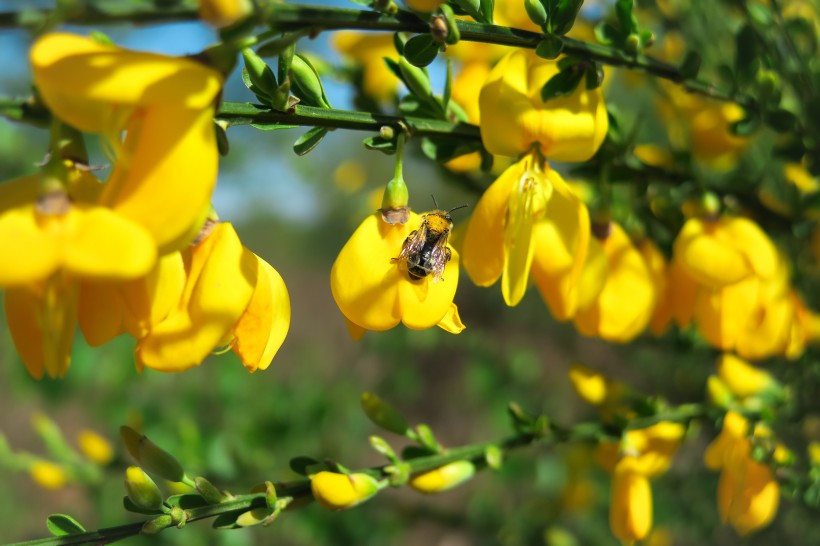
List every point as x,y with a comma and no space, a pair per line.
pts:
437,222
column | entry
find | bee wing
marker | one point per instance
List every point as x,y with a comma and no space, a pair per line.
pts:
413,244
439,258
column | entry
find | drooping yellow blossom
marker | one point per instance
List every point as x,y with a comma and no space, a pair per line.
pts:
443,478
58,237
165,169
224,13
616,301
514,117
641,455
748,493
372,290
369,49
336,491
95,447
741,378
528,220
231,297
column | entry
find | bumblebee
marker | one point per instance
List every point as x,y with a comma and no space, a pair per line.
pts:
425,250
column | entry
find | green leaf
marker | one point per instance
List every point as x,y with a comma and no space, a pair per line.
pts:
309,140
129,505
747,53
562,84
398,42
443,150
187,501
494,457
563,14
448,85
745,126
278,45
607,34
427,438
623,10
594,75
299,464
781,120
550,47
487,10
421,50
226,521
61,525
690,66
272,126
383,145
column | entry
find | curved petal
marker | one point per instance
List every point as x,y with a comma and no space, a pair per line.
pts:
722,314
166,175
263,326
151,298
753,243
87,83
630,507
707,257
483,245
37,252
452,321
101,312
364,280
503,96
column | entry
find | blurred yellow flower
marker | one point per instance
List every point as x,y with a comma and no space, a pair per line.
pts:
369,49
337,491
372,290
528,220
741,378
96,448
748,493
48,475
224,13
514,117
617,300
443,478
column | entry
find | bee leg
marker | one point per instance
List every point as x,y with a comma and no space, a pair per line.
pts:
447,254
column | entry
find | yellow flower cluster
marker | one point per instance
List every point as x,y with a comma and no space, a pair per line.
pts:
130,254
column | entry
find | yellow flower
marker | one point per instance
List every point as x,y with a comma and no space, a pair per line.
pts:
224,13
48,475
528,220
165,169
741,378
372,290
466,88
425,6
616,301
748,494
514,117
231,297
443,478
95,447
641,455
337,491
369,50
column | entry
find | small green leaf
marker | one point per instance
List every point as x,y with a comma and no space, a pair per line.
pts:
277,46
623,10
226,521
550,47
383,448
745,126
383,414
380,144
398,42
562,84
594,76
448,85
563,14
272,126
131,506
421,50
494,457
299,464
427,439
690,66
61,525
187,501
309,140
781,120
487,10
607,34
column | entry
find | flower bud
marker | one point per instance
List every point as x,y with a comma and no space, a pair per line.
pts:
590,385
307,80
719,393
152,457
396,195
443,478
209,492
141,489
154,526
337,491
416,78
95,447
48,475
536,11
383,414
259,72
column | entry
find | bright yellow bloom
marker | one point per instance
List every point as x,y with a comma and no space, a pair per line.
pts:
224,13
514,117
443,478
748,493
372,290
337,491
231,297
165,168
466,89
95,447
369,50
741,378
616,301
529,220
641,455
48,475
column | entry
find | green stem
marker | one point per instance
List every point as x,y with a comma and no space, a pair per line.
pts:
290,17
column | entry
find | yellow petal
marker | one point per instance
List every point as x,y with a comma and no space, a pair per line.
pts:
363,280
263,326
423,304
356,332
19,191
451,321
740,377
707,258
166,176
483,248
37,253
101,312
722,314
630,508
221,277
753,243
337,491
88,84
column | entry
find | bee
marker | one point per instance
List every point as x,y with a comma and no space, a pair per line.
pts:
425,250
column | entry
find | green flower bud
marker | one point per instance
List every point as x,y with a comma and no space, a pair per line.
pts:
307,81
337,491
536,11
633,44
209,492
718,392
260,73
141,489
380,412
416,78
152,457
154,526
